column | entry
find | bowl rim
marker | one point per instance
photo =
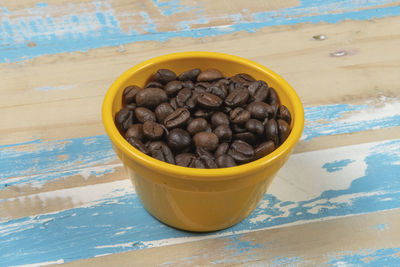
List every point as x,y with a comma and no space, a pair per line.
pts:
193,173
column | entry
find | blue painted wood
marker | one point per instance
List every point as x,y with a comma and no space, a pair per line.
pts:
96,24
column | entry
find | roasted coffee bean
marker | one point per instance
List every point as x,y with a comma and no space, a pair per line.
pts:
144,114
239,128
164,76
162,111
258,91
221,92
198,164
203,113
206,158
190,75
209,75
188,84
152,130
159,150
131,106
221,150
243,79
222,83
271,131
259,110
124,119
197,125
219,118
248,137
223,132
284,130
284,114
275,109
208,141
239,116
263,149
173,103
151,97
138,145
186,160
237,97
154,85
272,97
225,161
187,98
178,118
241,151
255,126
179,140
173,87
129,94
208,100
135,131
201,87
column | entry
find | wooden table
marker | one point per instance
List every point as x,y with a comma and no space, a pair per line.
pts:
65,198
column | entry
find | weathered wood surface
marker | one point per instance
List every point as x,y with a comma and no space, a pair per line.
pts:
64,196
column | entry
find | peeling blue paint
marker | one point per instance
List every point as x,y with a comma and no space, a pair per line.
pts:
100,27
382,227
337,165
378,258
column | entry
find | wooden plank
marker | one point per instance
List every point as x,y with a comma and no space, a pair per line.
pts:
370,239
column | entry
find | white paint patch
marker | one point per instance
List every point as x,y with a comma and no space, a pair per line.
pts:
122,245
60,261
390,107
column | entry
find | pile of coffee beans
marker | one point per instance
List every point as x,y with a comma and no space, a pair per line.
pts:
201,119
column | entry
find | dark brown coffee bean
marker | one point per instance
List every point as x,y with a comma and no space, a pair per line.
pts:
178,118
259,110
179,140
162,111
124,119
151,97
263,149
238,97
208,141
198,164
173,87
208,100
284,130
129,94
203,113
271,131
131,106
197,125
136,143
154,85
164,76
272,98
247,137
221,150
221,92
275,109
144,114
187,98
239,116
152,130
255,126
258,91
209,75
173,103
222,83
242,79
241,151
284,114
219,118
206,158
239,128
186,160
159,150
225,161
188,84
135,131
190,75
223,132
201,87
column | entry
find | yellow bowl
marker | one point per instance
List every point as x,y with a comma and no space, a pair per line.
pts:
200,199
